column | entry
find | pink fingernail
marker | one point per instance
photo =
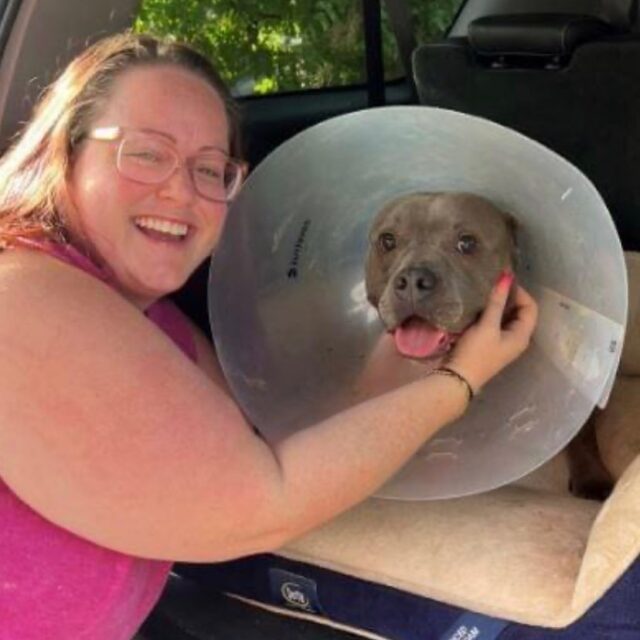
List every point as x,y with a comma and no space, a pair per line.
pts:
505,280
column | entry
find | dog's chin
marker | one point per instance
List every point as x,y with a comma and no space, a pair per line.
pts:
418,339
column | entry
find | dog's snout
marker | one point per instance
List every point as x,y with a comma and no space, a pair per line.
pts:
416,283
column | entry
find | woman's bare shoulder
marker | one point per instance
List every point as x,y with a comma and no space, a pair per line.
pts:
113,416
32,282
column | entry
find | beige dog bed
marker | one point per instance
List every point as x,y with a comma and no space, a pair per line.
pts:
528,553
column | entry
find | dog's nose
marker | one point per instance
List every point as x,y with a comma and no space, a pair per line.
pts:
416,283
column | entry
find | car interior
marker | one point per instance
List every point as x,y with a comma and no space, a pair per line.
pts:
565,73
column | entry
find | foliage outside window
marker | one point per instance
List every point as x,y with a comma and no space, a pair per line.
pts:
266,46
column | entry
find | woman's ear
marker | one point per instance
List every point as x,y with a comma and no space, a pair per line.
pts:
64,216
63,200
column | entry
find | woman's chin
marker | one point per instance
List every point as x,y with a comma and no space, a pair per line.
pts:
146,288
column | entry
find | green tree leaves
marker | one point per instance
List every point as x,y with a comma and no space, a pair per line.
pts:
265,46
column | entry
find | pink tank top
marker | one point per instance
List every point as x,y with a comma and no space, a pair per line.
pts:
55,585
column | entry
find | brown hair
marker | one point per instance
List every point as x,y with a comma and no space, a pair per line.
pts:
33,171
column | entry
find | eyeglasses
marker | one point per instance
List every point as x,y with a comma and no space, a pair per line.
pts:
149,158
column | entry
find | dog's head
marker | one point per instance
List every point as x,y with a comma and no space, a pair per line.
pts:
432,261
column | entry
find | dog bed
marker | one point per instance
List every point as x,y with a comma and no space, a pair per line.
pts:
526,561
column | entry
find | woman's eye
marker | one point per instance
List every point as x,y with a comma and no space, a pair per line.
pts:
387,242
209,173
149,157
467,244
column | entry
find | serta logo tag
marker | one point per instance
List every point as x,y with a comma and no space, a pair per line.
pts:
294,591
294,595
474,626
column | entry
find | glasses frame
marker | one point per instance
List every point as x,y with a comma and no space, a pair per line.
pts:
118,134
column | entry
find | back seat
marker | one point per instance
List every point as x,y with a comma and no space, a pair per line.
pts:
568,80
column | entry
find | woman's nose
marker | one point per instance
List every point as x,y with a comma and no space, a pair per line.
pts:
179,186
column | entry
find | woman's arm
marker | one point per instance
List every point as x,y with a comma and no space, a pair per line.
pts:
109,431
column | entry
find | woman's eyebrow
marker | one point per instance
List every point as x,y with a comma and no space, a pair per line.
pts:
165,134
212,147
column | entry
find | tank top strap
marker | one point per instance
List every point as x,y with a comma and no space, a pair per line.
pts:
163,313
65,252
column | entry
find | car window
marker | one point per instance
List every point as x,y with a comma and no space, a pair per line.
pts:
272,46
431,20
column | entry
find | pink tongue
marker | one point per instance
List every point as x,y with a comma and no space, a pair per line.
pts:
416,339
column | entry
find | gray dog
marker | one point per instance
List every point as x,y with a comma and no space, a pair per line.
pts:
432,261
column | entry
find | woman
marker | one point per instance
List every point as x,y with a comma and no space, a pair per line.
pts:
118,454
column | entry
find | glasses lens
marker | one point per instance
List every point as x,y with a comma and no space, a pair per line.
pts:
215,176
151,160
145,159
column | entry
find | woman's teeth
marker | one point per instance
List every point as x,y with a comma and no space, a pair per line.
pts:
176,229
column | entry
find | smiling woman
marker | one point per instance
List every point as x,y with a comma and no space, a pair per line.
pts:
121,448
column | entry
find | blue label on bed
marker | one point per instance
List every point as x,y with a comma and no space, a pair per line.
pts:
294,591
473,626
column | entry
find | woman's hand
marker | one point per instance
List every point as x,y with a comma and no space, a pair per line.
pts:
491,344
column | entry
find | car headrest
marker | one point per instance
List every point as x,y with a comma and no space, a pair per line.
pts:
547,36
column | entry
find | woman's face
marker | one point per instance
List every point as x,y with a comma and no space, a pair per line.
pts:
126,223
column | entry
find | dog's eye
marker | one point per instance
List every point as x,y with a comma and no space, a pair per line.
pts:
467,244
387,242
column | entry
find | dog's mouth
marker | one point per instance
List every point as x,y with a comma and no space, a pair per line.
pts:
416,338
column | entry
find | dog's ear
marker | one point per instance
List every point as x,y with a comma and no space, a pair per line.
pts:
513,228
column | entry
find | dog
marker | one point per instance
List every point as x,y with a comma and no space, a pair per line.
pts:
432,261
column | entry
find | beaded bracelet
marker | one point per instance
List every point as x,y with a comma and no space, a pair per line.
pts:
446,371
